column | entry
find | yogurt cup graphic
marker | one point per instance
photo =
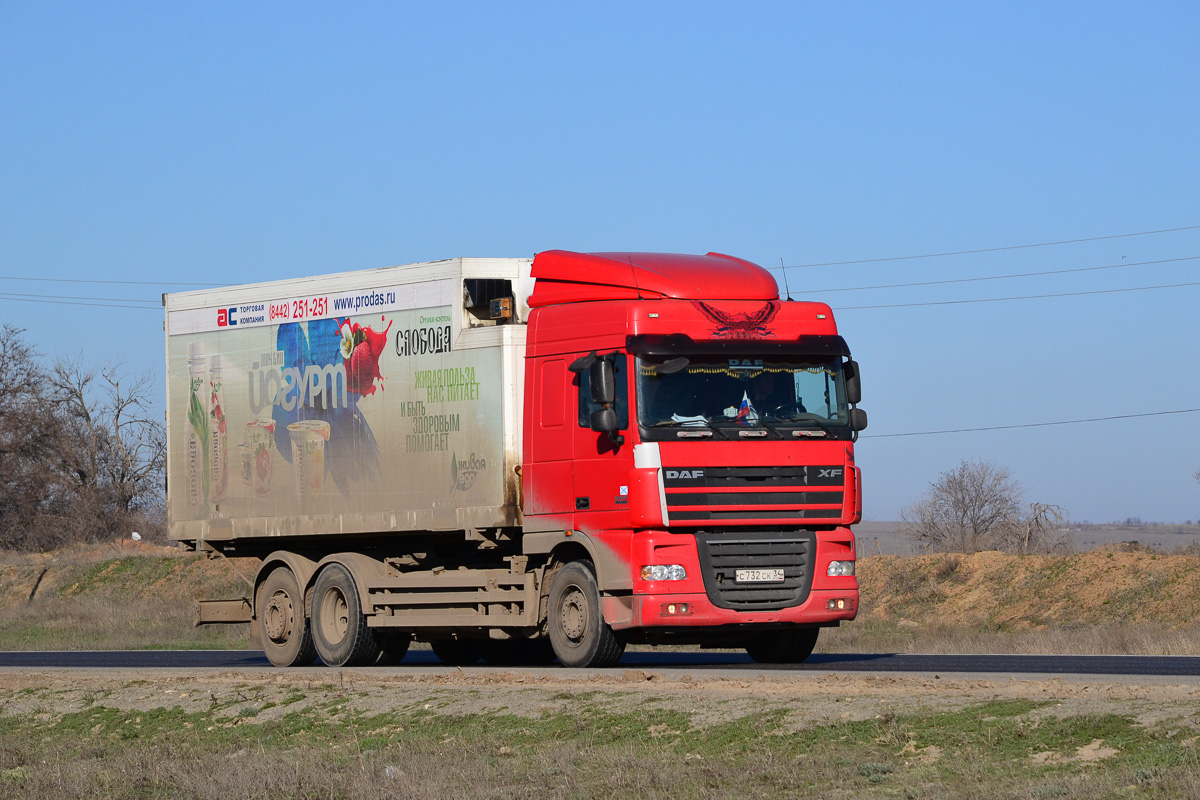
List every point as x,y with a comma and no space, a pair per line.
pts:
260,433
308,454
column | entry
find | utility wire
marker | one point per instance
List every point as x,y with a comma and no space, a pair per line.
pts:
17,295
1030,424
96,280
1021,297
992,249
80,302
1120,265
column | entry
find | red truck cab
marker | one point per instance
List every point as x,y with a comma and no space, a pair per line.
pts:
689,436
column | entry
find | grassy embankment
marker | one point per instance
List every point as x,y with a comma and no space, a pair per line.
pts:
1097,602
120,597
318,740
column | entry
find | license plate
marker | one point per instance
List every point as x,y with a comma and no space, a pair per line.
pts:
757,575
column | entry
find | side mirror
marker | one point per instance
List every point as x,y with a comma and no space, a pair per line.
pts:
603,383
858,420
604,420
853,384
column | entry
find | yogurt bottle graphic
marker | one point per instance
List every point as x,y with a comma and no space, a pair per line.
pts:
308,455
197,444
218,445
260,436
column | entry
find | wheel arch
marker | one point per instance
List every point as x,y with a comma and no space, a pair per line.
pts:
301,568
612,572
361,568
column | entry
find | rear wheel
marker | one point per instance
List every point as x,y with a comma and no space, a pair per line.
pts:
783,647
393,646
339,627
457,652
282,626
578,632
519,653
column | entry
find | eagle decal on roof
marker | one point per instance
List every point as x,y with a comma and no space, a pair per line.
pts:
748,325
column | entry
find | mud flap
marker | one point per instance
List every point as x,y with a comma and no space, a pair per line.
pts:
617,611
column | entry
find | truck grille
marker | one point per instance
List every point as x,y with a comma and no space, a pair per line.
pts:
722,554
755,494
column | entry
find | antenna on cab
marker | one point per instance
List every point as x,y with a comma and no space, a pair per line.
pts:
785,280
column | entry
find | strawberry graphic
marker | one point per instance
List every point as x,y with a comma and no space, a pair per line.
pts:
262,464
361,349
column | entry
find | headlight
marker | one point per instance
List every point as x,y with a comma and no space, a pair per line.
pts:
838,569
664,572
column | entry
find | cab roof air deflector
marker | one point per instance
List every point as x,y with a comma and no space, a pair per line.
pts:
566,277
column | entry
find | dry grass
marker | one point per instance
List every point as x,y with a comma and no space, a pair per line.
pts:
583,745
886,636
114,598
103,622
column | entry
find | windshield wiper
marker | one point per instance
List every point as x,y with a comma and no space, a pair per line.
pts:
698,424
812,421
771,428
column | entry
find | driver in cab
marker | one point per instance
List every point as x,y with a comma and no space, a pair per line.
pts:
770,391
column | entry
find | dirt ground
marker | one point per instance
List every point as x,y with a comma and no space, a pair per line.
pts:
809,699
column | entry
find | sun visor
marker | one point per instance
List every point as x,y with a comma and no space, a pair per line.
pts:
678,344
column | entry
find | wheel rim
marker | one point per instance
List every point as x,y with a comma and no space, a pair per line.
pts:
278,617
573,615
335,616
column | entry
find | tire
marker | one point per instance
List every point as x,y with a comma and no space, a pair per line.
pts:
578,632
519,653
393,646
783,647
283,628
339,628
457,652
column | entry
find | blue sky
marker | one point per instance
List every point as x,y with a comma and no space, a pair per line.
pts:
232,142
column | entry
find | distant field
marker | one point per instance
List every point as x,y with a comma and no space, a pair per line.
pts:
884,538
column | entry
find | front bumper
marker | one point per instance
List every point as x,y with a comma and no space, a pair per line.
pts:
688,610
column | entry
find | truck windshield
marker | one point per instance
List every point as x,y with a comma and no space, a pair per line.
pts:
734,397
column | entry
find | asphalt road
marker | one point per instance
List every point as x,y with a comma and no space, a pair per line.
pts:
1159,666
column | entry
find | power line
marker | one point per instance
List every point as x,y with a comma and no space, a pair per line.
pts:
115,304
15,295
1021,297
992,249
1003,277
1030,424
138,283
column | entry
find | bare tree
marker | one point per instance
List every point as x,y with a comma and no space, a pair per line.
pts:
80,457
111,448
31,490
1034,531
964,509
977,506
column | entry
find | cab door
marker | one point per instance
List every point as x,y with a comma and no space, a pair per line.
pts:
603,463
550,428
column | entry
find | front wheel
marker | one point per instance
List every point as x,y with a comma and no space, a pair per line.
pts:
578,632
783,647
